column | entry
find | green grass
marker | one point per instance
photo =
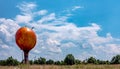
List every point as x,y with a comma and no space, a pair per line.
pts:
61,67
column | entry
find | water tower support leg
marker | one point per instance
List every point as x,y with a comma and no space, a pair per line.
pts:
26,57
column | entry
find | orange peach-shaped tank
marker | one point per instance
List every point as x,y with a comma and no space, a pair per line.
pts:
26,40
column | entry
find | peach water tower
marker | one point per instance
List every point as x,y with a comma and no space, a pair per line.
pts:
26,40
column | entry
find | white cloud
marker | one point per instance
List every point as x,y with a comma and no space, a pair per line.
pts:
113,48
5,47
47,18
109,48
54,49
8,28
27,12
69,44
36,51
76,7
42,12
26,8
52,42
23,18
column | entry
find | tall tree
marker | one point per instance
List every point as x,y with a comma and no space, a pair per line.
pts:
69,59
41,60
91,60
115,59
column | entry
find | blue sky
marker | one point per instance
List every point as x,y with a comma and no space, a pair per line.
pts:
82,27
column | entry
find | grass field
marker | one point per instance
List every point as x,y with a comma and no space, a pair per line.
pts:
61,67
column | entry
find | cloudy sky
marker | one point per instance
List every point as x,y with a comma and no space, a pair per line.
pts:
83,28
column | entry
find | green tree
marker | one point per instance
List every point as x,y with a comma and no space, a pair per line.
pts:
3,62
102,62
62,62
41,60
36,61
115,59
69,59
107,62
50,61
91,60
77,61
11,61
31,62
57,63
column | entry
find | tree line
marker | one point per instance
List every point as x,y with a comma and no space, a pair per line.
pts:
68,60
